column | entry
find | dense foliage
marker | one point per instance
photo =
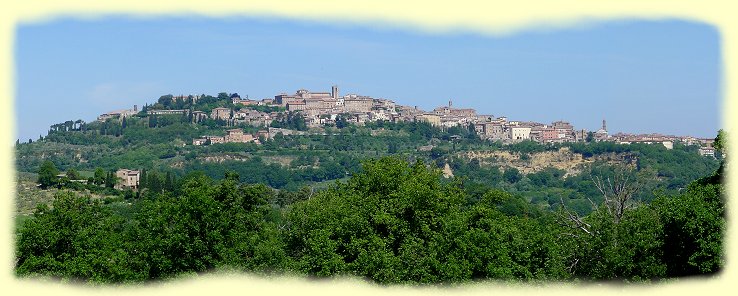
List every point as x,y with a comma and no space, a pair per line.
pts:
392,222
367,201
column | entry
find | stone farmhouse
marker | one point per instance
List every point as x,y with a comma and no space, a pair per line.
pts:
127,179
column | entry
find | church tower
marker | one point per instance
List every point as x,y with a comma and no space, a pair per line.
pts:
334,91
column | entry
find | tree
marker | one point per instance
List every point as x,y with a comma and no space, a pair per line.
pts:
111,179
720,141
232,175
72,174
694,225
77,238
621,238
47,174
512,175
619,189
166,100
99,176
590,137
341,121
392,147
169,181
389,215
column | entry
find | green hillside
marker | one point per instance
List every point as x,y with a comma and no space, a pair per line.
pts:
402,202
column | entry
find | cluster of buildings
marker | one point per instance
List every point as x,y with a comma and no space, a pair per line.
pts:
325,108
668,141
321,108
235,135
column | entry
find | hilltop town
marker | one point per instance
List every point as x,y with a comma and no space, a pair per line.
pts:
328,169
321,109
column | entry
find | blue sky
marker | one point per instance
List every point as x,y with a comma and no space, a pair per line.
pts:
641,76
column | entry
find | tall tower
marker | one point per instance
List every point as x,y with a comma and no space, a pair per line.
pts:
334,91
449,103
604,125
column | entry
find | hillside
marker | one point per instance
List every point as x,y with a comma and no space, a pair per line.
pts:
288,155
363,200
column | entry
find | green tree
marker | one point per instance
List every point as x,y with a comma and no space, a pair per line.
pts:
386,223
111,179
720,141
47,174
76,239
512,175
72,174
590,137
99,176
694,225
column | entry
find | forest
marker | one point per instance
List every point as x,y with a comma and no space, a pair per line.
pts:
369,201
394,222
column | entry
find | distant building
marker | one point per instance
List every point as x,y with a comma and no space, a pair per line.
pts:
127,179
707,151
245,102
296,106
549,134
334,92
118,114
562,125
215,139
384,104
198,116
495,131
433,119
199,141
220,113
262,133
601,134
303,94
519,133
479,128
234,135
357,104
168,112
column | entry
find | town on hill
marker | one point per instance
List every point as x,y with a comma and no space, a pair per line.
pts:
321,109
319,184
291,122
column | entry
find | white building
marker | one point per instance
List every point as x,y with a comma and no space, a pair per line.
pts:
519,133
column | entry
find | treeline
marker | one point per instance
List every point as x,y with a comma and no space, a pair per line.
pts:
339,151
392,222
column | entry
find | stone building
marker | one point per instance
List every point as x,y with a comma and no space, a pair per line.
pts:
601,134
296,106
127,179
118,114
433,119
357,104
220,113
